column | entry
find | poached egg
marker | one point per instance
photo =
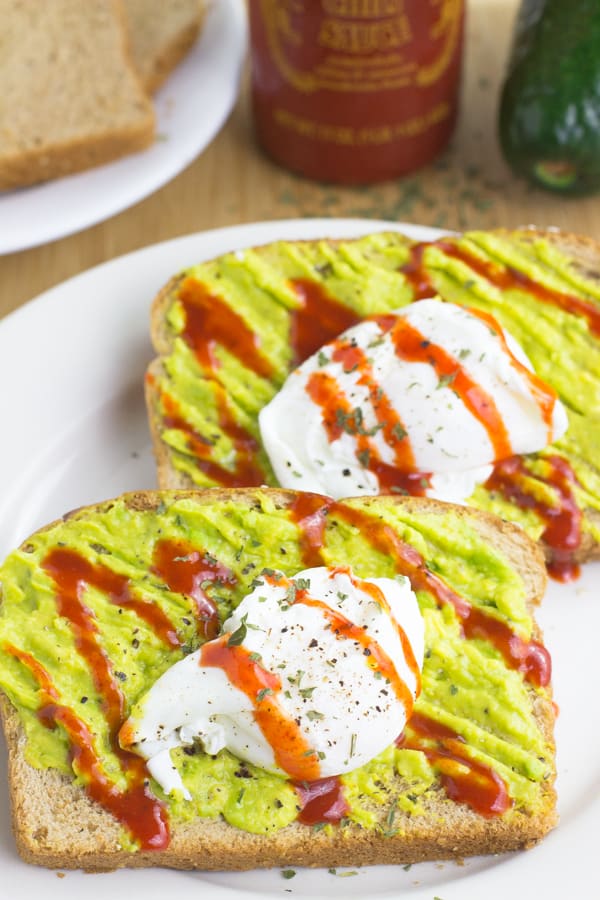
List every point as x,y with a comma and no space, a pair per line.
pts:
423,400
313,676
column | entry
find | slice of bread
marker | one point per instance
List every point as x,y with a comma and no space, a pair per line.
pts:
161,32
71,98
520,277
400,807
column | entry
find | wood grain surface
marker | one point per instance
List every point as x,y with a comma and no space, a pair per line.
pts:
232,182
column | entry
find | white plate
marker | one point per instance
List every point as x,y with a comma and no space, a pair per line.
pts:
74,432
191,107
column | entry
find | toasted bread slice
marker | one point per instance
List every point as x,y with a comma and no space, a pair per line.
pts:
71,97
544,288
160,35
399,808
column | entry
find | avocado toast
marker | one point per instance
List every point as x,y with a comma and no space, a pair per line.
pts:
96,606
229,331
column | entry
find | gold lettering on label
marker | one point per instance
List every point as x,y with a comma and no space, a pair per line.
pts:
351,137
345,34
446,28
362,9
276,15
356,37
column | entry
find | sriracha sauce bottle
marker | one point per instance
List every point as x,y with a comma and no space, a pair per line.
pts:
355,91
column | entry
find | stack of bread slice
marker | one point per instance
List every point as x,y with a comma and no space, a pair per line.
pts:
75,80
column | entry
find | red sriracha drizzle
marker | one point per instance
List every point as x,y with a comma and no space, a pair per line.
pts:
187,570
209,320
464,779
563,521
290,748
502,276
339,416
142,814
309,512
479,786
322,801
184,569
410,345
318,319
245,471
529,657
321,798
562,532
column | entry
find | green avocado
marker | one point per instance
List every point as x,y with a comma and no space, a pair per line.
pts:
466,683
550,104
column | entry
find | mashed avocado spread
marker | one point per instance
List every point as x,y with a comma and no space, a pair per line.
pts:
289,298
97,606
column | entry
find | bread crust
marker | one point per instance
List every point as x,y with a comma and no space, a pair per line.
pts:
584,252
56,825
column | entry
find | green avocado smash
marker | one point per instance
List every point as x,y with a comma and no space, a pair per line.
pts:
466,684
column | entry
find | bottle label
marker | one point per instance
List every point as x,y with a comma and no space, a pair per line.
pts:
355,90
361,45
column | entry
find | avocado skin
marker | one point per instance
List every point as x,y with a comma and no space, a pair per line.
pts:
550,102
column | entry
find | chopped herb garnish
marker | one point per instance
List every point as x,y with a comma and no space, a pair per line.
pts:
352,422
446,379
290,596
263,693
307,693
313,715
364,458
237,637
288,873
99,548
322,358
